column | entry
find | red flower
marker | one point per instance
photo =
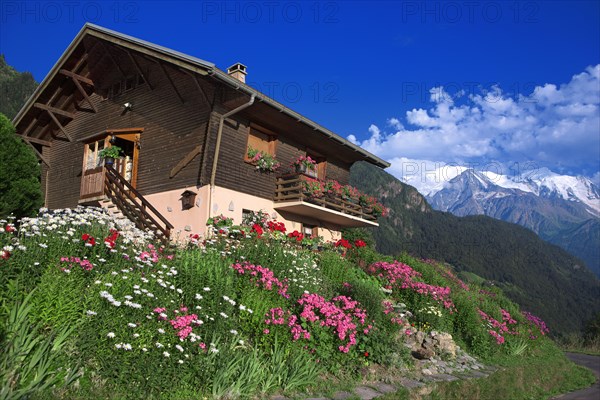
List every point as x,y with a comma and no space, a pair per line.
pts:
344,243
359,243
9,228
296,235
5,254
366,354
276,226
88,239
258,229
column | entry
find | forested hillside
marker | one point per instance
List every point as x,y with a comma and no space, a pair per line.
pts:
15,88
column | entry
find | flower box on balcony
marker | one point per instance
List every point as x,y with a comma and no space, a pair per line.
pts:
303,169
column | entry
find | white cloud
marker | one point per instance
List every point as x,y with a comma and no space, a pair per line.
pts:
555,126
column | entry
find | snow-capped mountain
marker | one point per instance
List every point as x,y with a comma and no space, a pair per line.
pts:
564,210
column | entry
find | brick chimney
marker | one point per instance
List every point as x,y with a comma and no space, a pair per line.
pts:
238,71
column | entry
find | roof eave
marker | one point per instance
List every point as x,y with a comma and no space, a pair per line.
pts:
280,107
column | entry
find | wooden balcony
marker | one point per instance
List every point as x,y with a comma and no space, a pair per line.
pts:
291,197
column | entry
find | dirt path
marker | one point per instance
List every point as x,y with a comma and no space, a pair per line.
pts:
591,393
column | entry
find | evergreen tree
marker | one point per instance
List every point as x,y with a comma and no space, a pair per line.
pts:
20,190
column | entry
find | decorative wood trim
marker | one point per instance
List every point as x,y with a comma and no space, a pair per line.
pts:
139,69
54,110
164,70
76,77
185,160
36,140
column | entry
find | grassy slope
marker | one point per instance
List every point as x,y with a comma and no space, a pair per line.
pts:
255,368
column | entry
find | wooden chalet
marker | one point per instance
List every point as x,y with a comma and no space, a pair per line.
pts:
184,126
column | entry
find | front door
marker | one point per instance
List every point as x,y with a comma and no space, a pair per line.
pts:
92,179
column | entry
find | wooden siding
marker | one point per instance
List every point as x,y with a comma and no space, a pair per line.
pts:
236,174
176,118
171,130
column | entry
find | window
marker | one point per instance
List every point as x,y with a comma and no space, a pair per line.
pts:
261,140
321,164
124,85
130,83
309,230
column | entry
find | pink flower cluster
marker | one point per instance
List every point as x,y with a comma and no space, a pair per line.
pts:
537,321
388,308
341,313
72,261
262,276
402,275
276,316
151,254
499,328
182,323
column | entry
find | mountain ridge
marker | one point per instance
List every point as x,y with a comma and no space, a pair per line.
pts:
541,277
550,208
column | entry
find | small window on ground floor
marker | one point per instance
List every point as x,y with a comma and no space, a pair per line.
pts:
309,230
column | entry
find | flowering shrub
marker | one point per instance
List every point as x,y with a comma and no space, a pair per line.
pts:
256,228
262,276
537,322
263,161
220,221
401,276
342,315
220,326
498,329
274,226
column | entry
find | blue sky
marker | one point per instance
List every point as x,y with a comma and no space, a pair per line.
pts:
437,81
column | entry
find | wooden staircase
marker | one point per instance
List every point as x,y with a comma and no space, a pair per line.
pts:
132,205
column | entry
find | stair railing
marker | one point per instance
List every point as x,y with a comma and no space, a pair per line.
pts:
134,206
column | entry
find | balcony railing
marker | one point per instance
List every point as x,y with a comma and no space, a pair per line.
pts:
291,189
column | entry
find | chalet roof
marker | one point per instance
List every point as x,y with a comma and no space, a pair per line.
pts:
184,61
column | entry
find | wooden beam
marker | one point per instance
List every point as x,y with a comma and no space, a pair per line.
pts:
76,80
80,62
139,69
25,132
153,54
57,122
77,77
36,140
197,83
171,81
107,50
37,153
85,95
185,160
54,110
